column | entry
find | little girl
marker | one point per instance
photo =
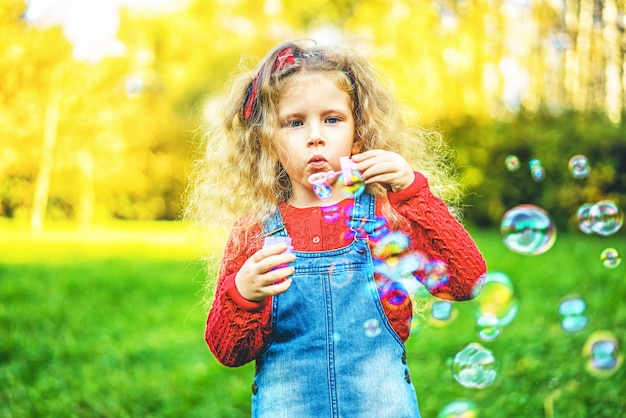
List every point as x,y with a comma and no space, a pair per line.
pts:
326,339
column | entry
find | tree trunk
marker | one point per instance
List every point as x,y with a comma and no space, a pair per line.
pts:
613,99
42,184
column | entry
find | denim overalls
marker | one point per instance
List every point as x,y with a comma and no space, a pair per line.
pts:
332,351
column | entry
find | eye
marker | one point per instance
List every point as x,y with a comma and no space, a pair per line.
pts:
293,123
332,120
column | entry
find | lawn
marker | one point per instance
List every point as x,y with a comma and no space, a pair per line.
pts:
111,325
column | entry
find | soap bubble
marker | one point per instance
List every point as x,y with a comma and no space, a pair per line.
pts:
331,213
354,186
442,312
392,293
610,258
340,276
528,229
392,244
579,167
537,171
607,218
488,327
323,190
372,327
603,218
393,259
496,306
572,309
584,218
474,367
602,355
360,226
459,408
433,274
512,163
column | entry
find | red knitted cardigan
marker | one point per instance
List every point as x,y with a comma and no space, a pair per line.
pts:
237,330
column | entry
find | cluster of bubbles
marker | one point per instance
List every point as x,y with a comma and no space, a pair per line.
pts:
496,306
601,350
405,272
578,166
402,273
525,229
475,366
528,229
603,218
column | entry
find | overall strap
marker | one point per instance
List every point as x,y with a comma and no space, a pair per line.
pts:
363,221
274,225
364,208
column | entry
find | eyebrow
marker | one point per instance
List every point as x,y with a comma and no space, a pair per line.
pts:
340,111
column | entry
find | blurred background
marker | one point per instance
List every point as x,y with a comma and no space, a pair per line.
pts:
102,102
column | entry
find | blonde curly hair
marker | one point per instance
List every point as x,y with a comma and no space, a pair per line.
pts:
238,174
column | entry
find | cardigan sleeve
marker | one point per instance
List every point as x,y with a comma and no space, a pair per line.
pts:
236,328
436,232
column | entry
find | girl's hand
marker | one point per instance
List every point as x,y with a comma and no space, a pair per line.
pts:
389,169
257,280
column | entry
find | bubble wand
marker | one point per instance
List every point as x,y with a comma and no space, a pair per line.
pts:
349,176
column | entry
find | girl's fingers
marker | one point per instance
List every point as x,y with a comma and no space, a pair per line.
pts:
276,275
278,288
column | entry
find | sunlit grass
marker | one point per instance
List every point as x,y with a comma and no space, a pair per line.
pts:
65,242
111,323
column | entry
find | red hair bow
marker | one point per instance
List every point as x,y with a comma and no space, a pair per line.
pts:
284,59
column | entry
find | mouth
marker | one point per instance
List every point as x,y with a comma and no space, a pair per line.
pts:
318,162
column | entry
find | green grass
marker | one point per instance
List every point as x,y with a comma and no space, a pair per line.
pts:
111,325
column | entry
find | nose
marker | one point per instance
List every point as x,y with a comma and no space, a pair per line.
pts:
315,136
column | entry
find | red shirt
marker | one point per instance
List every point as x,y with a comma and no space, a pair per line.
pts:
237,329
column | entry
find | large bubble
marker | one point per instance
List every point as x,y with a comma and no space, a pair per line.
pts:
496,306
474,367
528,229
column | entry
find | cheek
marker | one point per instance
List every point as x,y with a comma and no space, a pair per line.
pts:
284,152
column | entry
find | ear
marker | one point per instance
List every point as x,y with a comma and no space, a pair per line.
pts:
356,146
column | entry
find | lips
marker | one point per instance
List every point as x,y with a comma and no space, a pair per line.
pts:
318,161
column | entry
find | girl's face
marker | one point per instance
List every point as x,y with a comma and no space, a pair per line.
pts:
316,127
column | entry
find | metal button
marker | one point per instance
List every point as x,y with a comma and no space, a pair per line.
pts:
255,389
407,376
316,240
404,358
